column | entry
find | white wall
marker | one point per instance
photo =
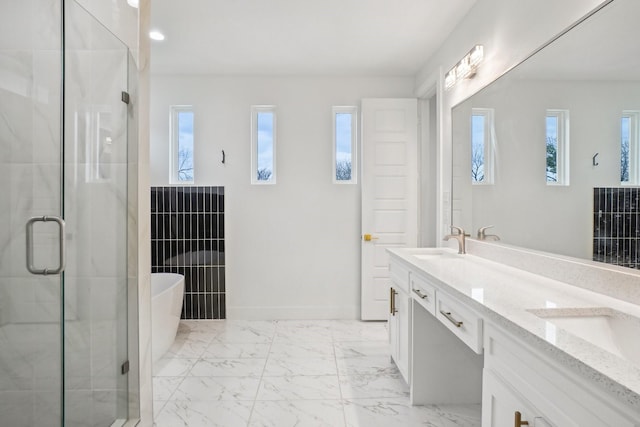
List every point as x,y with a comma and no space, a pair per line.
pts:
293,249
510,31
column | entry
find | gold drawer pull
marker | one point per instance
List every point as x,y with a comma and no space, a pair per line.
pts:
392,302
519,422
450,318
420,294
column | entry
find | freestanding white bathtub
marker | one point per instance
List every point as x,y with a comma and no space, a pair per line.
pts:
167,290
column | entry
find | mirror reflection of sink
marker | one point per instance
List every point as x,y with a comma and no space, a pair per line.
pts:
609,329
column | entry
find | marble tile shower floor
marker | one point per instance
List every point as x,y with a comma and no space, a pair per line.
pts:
288,373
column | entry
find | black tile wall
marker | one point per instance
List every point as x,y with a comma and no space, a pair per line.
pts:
187,237
616,226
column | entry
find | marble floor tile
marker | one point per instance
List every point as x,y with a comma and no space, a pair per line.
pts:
228,368
302,331
188,347
163,387
217,388
373,365
172,367
246,373
300,350
220,350
279,367
351,330
299,387
398,412
307,413
158,405
348,349
373,386
245,334
204,414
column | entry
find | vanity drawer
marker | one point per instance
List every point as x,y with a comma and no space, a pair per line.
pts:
399,275
460,320
423,292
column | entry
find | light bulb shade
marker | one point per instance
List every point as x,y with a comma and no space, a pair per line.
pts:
476,55
133,3
465,68
450,79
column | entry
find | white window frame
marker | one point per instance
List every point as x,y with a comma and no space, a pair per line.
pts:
174,143
563,159
634,146
255,110
489,144
354,143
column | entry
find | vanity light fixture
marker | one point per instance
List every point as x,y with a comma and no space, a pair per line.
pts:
465,68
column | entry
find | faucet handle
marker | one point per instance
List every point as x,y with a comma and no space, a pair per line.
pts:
484,236
481,231
460,230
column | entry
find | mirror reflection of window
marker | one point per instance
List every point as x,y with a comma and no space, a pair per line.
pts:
482,146
629,148
557,147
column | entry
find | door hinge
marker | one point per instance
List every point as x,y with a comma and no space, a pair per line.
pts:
125,97
125,367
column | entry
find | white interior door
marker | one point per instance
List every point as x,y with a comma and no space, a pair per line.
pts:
389,194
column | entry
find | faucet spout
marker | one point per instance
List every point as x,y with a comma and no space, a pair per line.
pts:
460,237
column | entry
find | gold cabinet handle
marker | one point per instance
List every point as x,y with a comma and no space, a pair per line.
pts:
420,294
392,302
518,421
368,237
451,319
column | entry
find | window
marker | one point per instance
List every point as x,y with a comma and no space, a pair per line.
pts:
482,145
181,144
557,147
263,144
344,144
629,148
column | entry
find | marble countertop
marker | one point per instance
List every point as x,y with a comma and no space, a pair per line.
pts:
505,295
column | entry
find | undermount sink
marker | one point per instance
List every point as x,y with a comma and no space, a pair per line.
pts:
430,253
609,329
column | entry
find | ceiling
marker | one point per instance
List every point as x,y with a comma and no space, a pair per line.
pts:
300,37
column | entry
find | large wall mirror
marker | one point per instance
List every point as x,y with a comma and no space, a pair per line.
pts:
529,149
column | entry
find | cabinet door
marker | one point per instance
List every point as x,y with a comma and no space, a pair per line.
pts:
393,324
500,403
399,332
403,319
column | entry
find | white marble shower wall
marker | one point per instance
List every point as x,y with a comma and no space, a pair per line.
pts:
30,71
30,74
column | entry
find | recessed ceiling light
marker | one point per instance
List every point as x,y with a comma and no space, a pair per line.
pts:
133,3
156,35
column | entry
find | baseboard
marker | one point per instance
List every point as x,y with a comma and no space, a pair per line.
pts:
293,313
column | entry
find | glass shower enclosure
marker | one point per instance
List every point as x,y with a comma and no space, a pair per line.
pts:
63,217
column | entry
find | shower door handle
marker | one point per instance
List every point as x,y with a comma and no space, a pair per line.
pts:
62,246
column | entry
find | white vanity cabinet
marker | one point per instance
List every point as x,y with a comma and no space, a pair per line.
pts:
399,318
519,381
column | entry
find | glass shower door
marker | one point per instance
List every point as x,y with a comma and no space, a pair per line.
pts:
95,209
63,191
30,187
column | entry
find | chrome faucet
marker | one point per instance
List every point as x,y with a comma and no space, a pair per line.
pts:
460,237
482,235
